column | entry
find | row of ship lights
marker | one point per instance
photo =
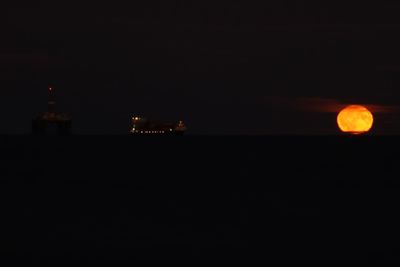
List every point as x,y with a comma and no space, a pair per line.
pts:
148,132
151,132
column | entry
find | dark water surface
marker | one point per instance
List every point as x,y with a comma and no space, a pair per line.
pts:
199,201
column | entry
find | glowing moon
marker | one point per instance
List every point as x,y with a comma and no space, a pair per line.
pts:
355,119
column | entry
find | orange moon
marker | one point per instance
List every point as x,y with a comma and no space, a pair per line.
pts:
355,119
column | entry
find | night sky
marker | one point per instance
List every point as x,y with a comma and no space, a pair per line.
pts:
270,67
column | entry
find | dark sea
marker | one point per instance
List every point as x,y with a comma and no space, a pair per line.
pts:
200,201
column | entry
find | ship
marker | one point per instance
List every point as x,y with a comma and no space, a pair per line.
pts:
51,122
144,126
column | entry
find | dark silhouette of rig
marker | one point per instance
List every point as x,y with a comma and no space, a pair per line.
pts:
51,122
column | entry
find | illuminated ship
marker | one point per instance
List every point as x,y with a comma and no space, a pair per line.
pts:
51,122
143,126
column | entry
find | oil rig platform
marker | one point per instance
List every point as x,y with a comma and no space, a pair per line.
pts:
51,122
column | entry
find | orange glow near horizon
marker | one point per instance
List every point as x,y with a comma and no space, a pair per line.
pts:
355,119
